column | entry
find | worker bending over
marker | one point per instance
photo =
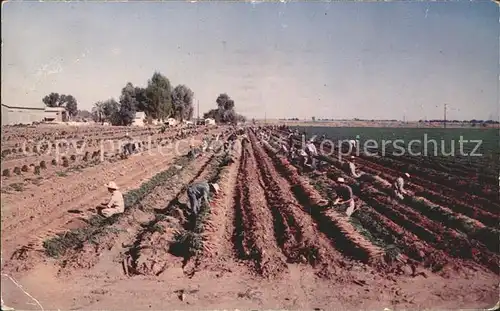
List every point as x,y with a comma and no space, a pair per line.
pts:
116,204
352,168
312,153
398,186
198,193
345,197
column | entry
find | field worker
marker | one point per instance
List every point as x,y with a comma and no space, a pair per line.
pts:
312,153
303,157
198,193
244,140
193,152
398,185
115,204
352,168
284,149
311,148
345,197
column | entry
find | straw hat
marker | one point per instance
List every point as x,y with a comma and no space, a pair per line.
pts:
216,188
112,185
407,175
340,179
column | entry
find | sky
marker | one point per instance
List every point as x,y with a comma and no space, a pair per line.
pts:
389,60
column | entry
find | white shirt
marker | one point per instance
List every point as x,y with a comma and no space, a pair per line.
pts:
116,201
312,149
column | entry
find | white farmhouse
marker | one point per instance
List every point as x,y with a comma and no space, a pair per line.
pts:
139,118
209,121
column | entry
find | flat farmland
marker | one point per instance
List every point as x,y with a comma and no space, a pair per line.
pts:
263,242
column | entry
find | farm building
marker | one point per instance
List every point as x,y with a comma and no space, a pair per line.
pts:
171,122
209,121
22,115
55,114
139,118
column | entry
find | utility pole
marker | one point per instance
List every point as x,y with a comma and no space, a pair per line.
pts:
198,108
445,106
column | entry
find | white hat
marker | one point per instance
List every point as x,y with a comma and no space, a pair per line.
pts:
352,157
112,185
407,175
340,179
216,188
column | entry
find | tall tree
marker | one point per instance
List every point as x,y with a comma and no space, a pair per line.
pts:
159,92
182,101
71,105
51,100
225,112
142,100
111,111
127,105
98,112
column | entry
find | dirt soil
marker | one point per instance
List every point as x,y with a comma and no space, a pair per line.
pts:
266,246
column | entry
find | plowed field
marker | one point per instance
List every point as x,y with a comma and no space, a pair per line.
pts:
262,243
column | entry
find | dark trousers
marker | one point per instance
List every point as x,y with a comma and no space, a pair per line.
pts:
193,201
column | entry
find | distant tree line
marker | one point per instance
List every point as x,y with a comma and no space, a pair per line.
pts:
158,100
473,121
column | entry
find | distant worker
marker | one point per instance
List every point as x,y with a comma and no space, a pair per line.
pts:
352,168
312,153
352,145
284,150
290,139
193,152
116,204
345,197
311,148
303,157
198,193
398,186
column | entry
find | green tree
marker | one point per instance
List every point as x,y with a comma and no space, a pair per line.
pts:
142,99
127,105
97,112
182,101
159,93
51,100
111,111
71,105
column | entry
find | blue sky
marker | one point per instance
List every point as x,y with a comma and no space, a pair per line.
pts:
299,59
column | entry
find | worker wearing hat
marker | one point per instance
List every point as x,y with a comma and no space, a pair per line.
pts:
398,186
345,196
116,204
198,193
352,168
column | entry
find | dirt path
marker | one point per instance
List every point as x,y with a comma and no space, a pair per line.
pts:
256,237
